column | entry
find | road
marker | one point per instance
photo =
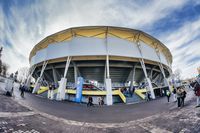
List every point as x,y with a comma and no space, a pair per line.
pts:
153,117
107,114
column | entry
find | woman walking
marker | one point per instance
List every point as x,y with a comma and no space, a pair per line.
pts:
178,95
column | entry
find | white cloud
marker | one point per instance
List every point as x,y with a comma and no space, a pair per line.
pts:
27,25
1,25
184,45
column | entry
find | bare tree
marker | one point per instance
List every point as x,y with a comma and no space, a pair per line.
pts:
23,74
4,69
1,49
177,74
0,67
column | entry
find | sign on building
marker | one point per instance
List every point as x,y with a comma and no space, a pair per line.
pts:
79,89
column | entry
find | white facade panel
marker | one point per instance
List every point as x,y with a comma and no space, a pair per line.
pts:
40,56
120,47
58,50
90,46
83,46
33,60
148,52
163,59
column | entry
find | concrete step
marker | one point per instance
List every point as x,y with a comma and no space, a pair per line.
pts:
134,99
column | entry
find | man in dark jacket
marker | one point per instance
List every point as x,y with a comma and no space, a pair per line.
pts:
90,101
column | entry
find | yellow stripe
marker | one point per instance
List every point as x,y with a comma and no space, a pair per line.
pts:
42,89
122,96
140,92
93,93
70,91
32,86
98,93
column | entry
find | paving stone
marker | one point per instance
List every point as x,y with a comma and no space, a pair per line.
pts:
184,120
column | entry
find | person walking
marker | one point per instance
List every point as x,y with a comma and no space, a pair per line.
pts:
22,91
197,93
174,94
99,101
50,91
102,101
168,94
148,96
178,95
90,101
183,96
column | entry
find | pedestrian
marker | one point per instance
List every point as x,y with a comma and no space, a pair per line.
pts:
20,87
174,93
132,90
197,92
50,91
178,95
148,96
163,93
183,96
102,101
99,101
90,101
168,94
22,91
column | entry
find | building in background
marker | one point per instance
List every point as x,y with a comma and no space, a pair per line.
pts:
198,69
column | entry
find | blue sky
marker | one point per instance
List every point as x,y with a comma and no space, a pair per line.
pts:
23,23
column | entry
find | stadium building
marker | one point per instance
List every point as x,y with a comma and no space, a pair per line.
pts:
101,61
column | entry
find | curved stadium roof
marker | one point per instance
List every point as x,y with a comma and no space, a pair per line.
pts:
102,32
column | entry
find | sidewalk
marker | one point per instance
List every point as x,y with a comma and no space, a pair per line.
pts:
18,119
8,105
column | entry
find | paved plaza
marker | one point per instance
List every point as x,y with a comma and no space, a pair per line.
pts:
22,115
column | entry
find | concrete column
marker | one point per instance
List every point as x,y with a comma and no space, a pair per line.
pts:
166,82
105,74
55,78
28,81
108,83
75,74
107,67
63,82
156,78
47,77
133,77
151,74
149,87
61,89
37,84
